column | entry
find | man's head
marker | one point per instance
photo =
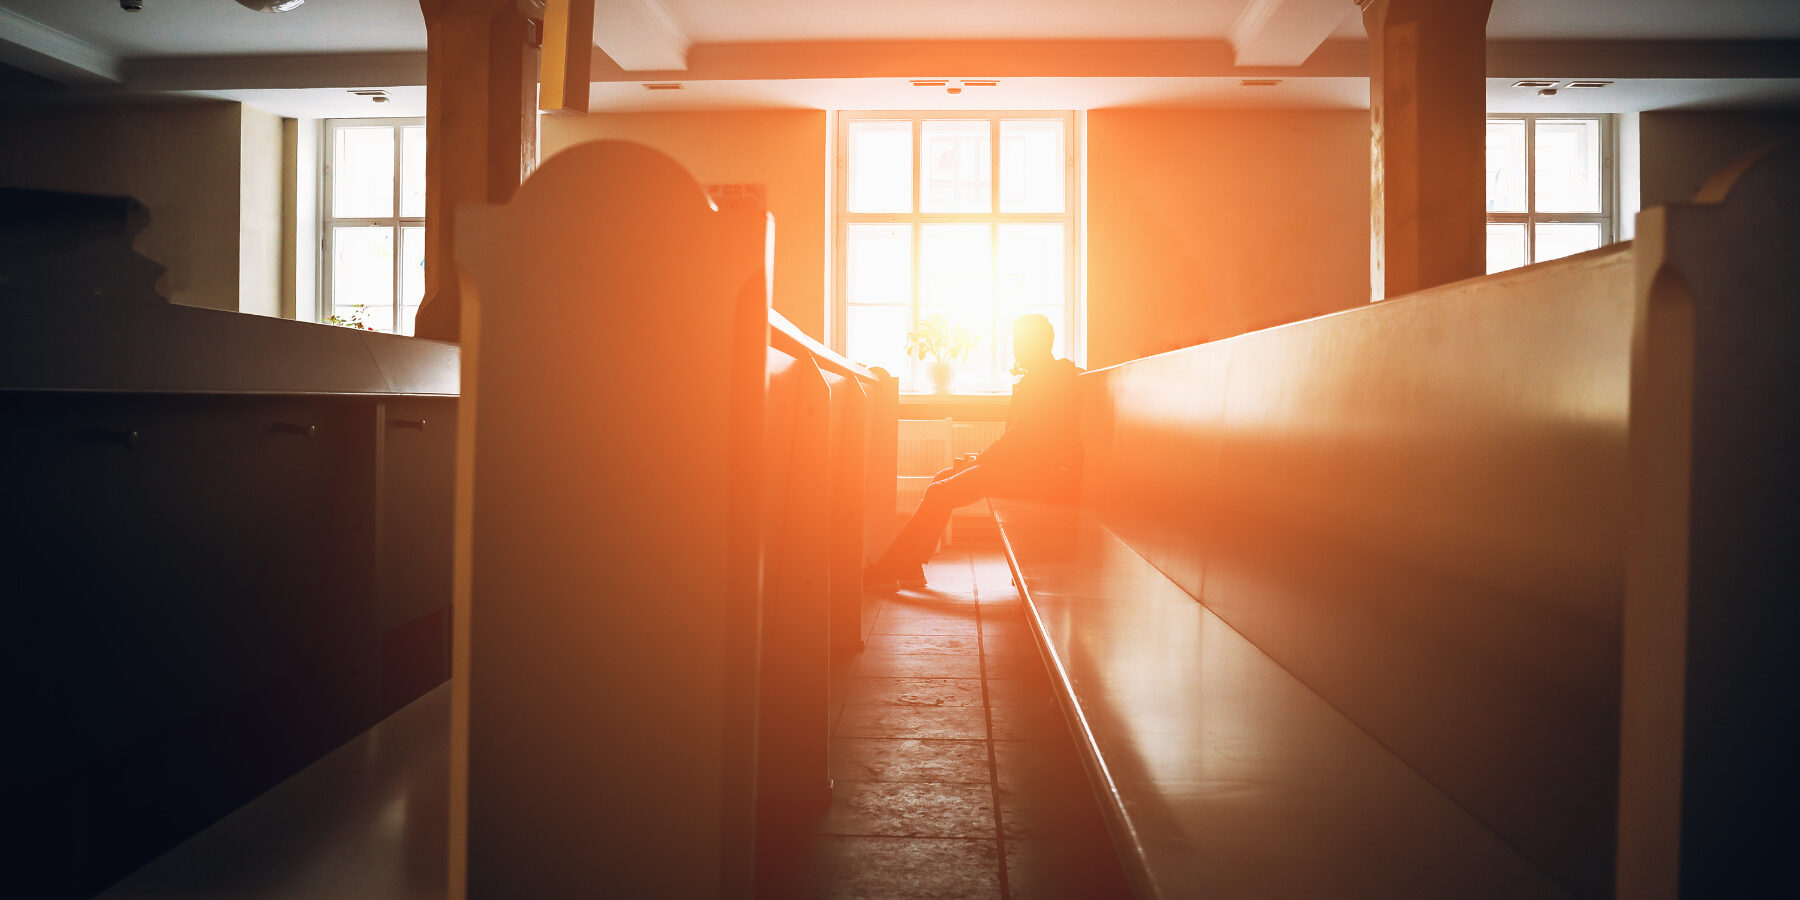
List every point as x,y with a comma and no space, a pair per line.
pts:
1032,336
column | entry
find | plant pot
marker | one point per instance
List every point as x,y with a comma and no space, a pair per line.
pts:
940,377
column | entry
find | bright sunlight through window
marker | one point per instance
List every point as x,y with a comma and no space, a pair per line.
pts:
921,230
1549,194
374,206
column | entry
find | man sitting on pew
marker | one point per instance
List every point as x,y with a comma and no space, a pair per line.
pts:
1038,457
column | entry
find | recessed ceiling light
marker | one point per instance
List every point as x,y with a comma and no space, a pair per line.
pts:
662,86
373,95
917,82
1589,84
1259,82
1536,84
967,83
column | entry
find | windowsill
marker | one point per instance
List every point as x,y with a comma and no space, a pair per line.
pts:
973,407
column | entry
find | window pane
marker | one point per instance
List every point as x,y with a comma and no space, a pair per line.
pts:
362,274
412,171
1030,268
879,170
955,167
1506,165
876,336
1031,166
412,275
1568,165
362,173
1555,240
1505,246
955,272
879,263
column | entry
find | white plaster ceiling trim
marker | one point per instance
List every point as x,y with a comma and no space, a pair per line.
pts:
640,35
1285,32
41,50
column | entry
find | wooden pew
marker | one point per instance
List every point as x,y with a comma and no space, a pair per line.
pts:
652,472
1492,582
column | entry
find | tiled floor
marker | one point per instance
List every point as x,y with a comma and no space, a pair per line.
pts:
955,776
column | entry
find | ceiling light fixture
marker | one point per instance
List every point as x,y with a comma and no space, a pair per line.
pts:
374,96
1259,82
662,86
271,6
1589,84
1536,84
929,83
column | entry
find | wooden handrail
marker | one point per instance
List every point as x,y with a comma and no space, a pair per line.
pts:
784,335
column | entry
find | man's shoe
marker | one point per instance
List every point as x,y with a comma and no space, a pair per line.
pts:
911,577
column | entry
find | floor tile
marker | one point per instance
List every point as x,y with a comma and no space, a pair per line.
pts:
1020,692
908,869
934,644
915,692
899,809
906,759
908,665
1064,870
1028,722
937,623
1035,813
1038,765
941,723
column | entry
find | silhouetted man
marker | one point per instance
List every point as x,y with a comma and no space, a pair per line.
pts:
1037,457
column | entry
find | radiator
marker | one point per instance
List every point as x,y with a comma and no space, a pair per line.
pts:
927,446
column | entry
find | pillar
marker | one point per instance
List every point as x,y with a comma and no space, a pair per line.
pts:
481,132
1427,107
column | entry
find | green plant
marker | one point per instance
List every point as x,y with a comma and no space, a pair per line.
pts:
354,320
937,338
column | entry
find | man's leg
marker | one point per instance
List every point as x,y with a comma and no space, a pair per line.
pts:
913,545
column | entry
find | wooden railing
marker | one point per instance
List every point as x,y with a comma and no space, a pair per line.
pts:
663,506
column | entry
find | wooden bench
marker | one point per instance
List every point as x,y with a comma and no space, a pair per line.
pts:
665,495
1492,587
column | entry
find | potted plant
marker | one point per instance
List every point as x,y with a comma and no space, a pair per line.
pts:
943,342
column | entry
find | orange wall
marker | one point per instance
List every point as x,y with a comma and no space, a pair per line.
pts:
783,149
1203,224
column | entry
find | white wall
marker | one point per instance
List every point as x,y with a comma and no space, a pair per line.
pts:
1681,150
181,160
260,214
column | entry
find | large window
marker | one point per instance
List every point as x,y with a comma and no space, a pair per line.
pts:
971,216
374,222
1549,187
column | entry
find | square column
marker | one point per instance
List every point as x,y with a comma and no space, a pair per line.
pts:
1427,107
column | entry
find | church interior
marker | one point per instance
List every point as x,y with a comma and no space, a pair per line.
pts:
445,443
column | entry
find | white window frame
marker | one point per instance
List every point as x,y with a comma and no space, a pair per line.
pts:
328,138
1071,329
1607,218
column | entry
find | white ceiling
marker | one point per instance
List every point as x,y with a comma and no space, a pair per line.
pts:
211,28
217,27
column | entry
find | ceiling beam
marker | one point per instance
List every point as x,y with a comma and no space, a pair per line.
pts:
1285,32
41,50
975,59
640,35
276,71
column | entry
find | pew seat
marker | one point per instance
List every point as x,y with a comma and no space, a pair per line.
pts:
1219,773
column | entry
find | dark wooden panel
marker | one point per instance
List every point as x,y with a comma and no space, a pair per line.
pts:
1222,774
1416,508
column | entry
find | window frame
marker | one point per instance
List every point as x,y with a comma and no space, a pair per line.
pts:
1608,216
327,222
1071,330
